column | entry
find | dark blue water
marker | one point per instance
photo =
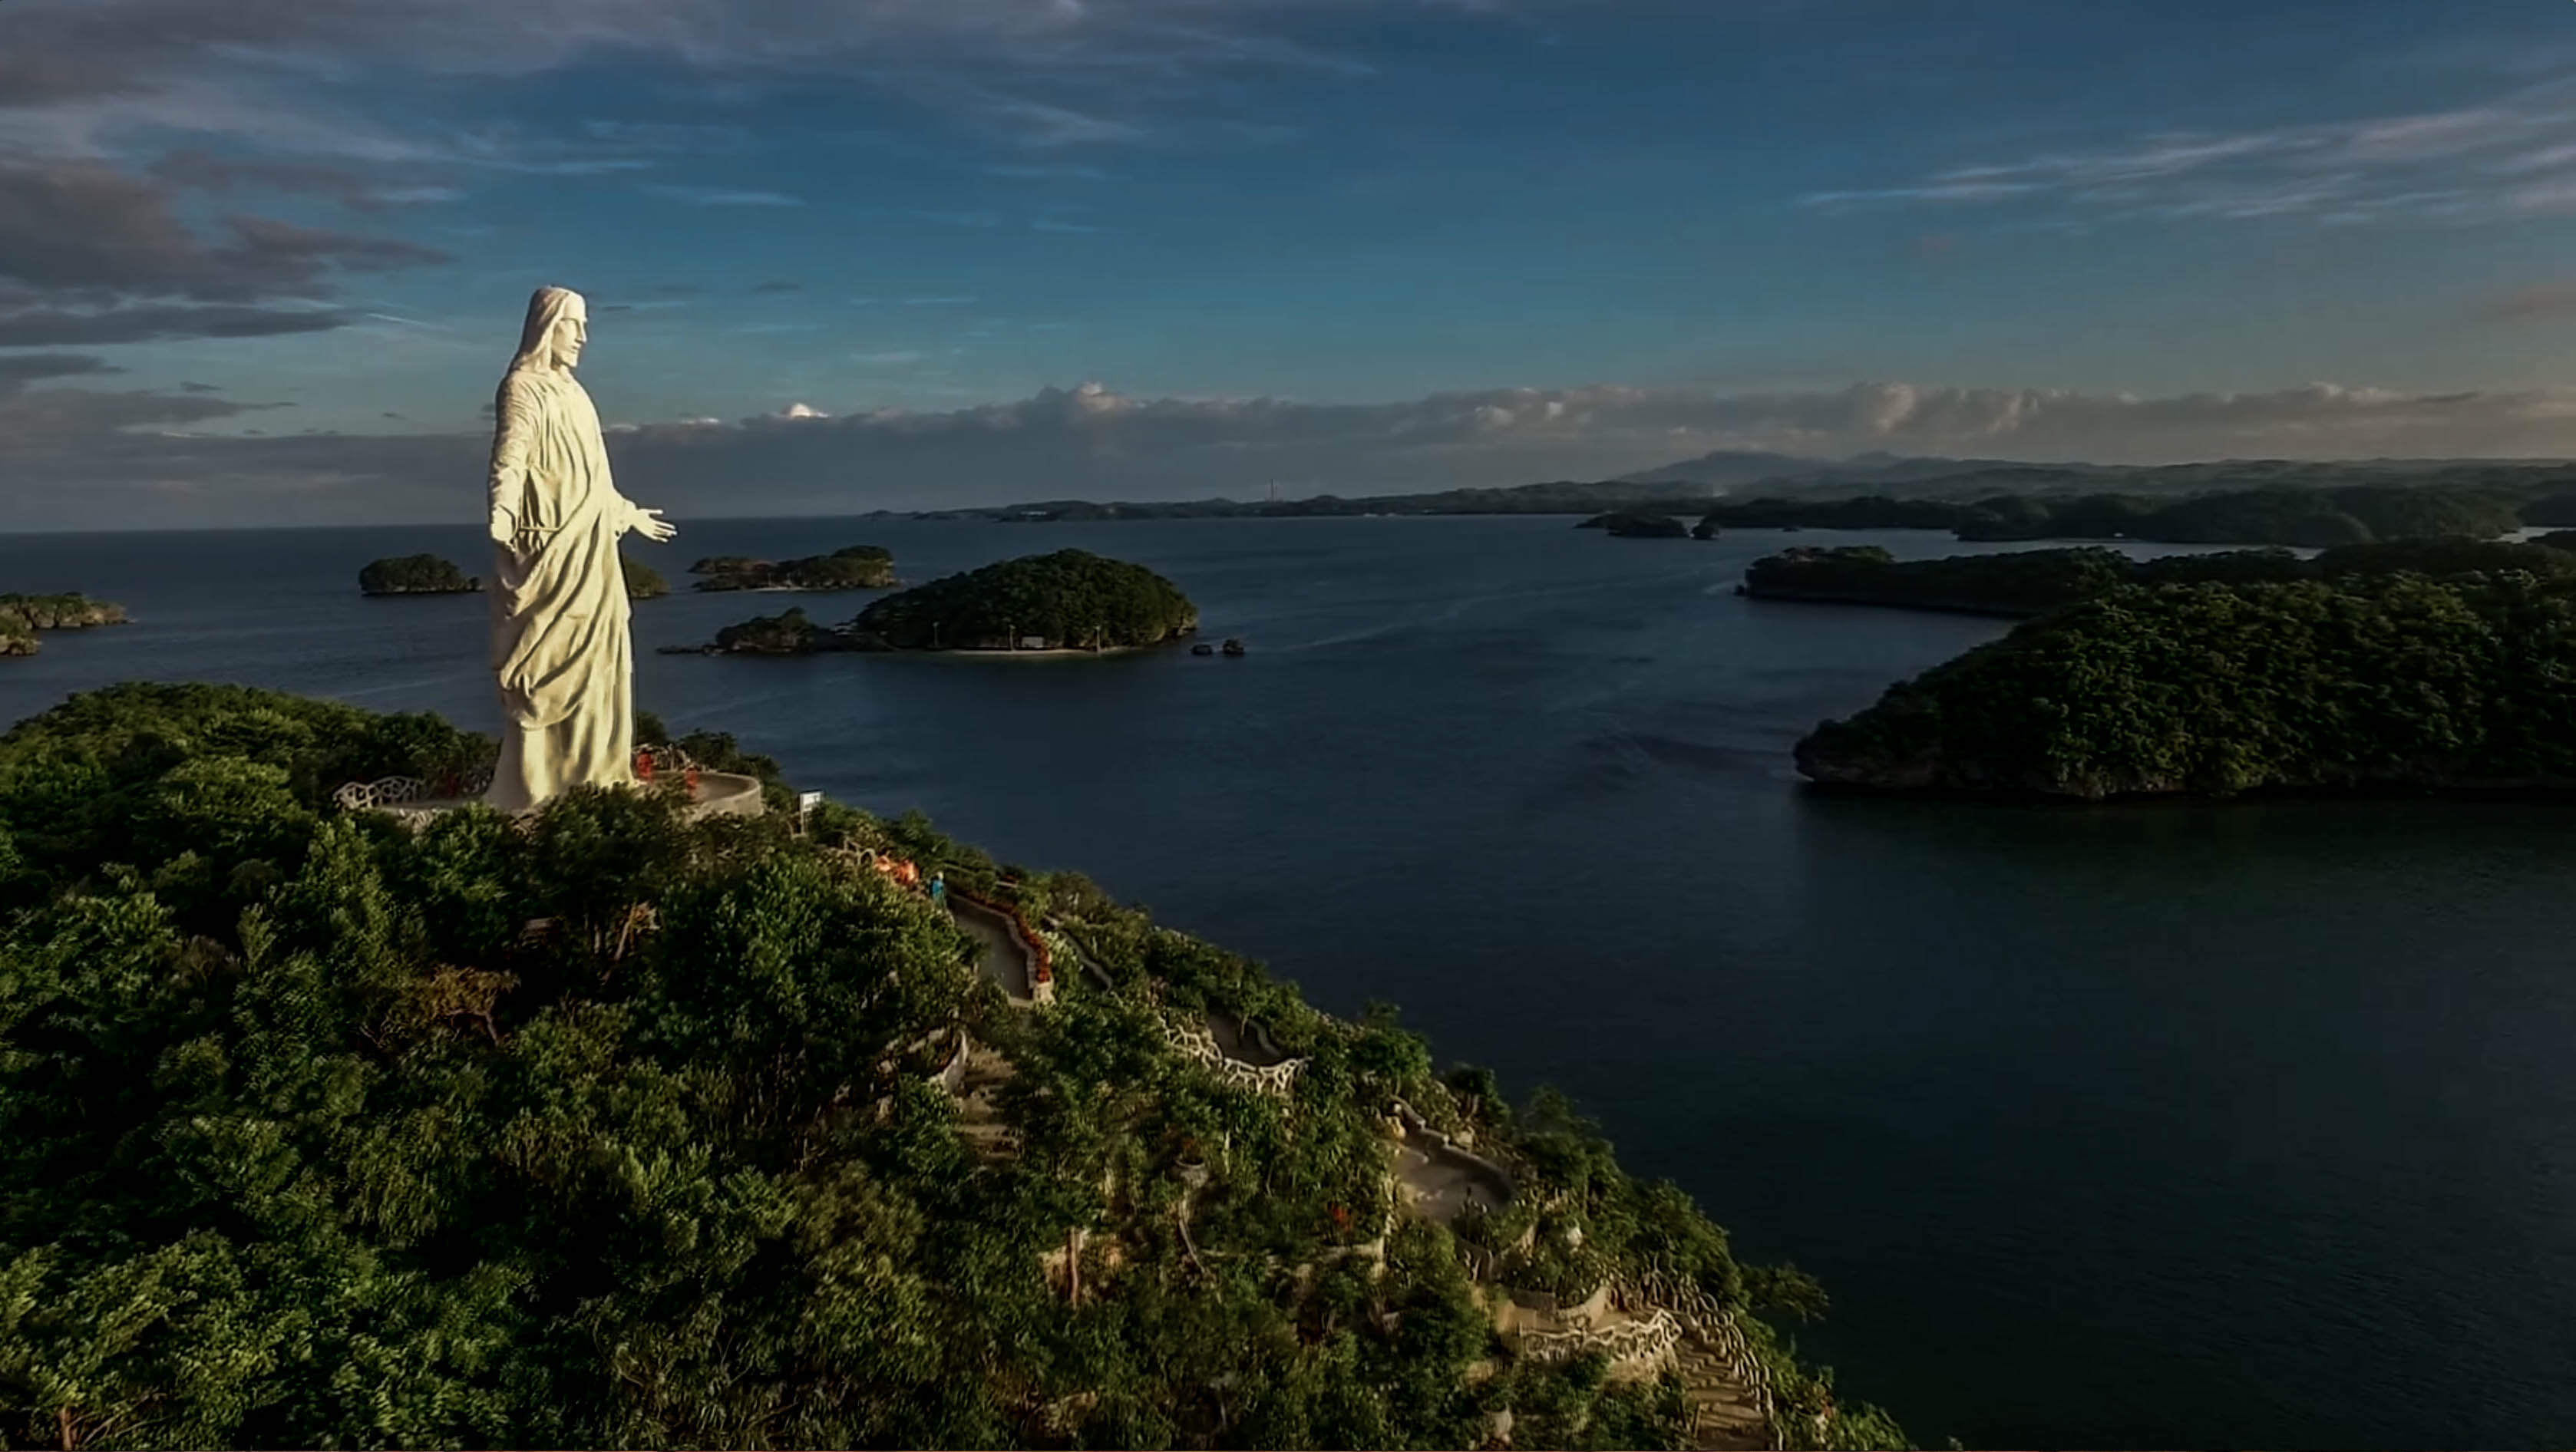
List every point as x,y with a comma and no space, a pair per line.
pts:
2173,1126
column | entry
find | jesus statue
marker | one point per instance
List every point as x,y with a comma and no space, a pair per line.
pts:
559,642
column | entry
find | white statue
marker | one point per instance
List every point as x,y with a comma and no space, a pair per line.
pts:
559,642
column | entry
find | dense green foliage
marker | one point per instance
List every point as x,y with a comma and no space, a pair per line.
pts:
1071,598
2365,680
858,567
643,582
2032,582
1637,524
607,1127
21,616
415,575
2313,517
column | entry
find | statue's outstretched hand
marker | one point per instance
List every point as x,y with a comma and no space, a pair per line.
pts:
650,524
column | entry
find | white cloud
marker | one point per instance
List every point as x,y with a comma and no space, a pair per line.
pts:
76,453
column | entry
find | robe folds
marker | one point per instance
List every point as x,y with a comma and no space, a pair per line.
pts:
560,647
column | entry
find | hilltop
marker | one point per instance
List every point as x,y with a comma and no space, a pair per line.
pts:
616,1128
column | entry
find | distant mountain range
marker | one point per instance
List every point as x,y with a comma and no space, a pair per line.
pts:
1690,485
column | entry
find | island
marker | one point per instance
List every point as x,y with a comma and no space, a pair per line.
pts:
21,616
2274,515
2023,583
1068,601
416,575
858,567
2364,681
622,1127
643,582
1638,524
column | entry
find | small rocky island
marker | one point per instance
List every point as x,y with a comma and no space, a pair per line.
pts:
1637,524
21,616
2362,683
859,567
416,575
1071,600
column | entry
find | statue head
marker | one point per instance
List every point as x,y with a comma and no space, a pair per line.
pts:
557,327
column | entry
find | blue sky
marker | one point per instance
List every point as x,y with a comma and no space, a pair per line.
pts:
2027,230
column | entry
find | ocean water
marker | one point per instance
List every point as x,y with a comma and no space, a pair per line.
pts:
2104,1126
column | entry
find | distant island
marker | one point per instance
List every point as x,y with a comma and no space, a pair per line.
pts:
2369,680
1751,489
1069,600
2315,518
416,575
21,616
1638,524
2033,582
643,582
859,567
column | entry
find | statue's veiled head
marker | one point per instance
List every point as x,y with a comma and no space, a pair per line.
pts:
558,325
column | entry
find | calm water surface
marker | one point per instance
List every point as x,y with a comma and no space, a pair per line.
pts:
2169,1126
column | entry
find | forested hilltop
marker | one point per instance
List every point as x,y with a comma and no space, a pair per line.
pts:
2365,681
614,1128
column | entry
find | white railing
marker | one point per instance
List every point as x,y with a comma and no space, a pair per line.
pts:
1712,1324
1199,1045
1651,1338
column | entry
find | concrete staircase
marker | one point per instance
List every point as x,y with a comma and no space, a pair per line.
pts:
1723,1414
979,1117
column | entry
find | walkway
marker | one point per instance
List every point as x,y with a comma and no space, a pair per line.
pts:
1005,959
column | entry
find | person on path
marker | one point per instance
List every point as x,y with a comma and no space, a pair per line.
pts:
938,890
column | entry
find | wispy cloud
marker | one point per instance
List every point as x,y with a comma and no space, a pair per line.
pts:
2511,157
888,358
1048,171
936,301
723,197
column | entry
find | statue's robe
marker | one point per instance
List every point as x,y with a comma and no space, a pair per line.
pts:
559,608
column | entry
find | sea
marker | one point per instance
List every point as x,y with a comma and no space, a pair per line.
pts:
2170,1125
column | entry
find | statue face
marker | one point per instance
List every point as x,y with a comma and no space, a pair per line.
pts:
571,331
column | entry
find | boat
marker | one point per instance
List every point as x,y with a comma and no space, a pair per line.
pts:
1233,646
1203,648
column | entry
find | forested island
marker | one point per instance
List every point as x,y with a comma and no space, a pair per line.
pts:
858,567
2032,582
1068,600
1638,524
2367,679
21,616
416,575
617,1128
